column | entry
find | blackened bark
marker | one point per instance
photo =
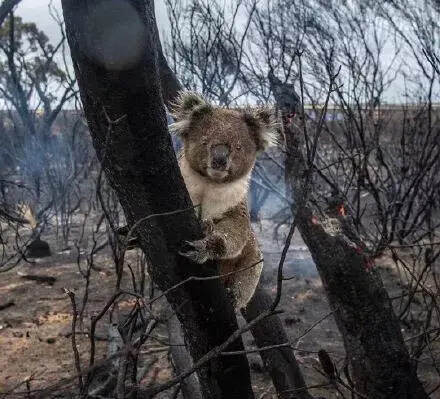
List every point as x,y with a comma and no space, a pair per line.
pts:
380,364
379,359
280,362
113,47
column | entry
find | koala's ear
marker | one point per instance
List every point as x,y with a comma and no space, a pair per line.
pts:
188,106
264,125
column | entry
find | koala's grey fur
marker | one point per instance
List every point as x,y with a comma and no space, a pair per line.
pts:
222,194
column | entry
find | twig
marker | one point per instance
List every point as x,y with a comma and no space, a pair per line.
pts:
74,347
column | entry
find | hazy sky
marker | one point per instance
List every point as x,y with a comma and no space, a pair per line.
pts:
37,11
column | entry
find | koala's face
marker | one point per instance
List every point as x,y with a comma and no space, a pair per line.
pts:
221,144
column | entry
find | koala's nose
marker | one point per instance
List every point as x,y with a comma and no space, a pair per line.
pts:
220,154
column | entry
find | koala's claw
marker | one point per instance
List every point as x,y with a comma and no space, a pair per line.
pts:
195,250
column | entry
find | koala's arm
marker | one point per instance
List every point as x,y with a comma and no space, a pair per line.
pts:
225,238
230,234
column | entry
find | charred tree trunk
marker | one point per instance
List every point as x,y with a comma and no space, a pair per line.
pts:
190,387
113,47
280,362
379,360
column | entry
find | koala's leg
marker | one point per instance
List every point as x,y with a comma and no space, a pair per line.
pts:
225,238
242,284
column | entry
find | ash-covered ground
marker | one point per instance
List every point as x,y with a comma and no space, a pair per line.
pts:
35,332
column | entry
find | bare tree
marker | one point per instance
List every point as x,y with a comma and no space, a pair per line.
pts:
6,7
33,151
379,360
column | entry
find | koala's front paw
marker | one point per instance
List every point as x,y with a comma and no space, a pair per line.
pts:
195,250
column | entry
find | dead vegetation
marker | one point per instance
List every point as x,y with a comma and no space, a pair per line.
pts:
89,320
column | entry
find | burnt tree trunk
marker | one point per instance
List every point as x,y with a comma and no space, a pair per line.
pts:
189,387
279,362
113,46
379,360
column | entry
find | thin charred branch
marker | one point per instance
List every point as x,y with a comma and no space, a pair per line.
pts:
71,295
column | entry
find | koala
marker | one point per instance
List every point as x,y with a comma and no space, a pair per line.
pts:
220,147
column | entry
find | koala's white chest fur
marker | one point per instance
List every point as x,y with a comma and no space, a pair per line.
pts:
214,198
